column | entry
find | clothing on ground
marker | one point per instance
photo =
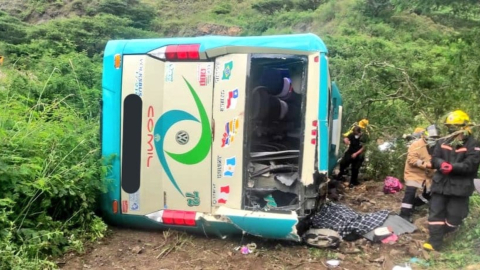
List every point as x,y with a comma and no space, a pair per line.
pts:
346,221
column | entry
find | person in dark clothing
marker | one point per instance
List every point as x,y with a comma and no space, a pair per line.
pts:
354,155
456,159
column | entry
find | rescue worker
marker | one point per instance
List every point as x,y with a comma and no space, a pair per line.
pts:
354,155
418,171
456,159
362,124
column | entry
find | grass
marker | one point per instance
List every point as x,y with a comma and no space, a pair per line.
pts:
463,248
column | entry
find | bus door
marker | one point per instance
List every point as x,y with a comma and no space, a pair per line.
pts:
228,114
166,135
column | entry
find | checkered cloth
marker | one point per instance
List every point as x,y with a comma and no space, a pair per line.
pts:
345,221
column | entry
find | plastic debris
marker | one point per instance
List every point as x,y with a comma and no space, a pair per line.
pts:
333,262
391,239
382,233
250,248
397,224
418,261
245,250
406,267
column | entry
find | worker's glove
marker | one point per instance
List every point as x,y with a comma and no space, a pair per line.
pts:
419,163
446,167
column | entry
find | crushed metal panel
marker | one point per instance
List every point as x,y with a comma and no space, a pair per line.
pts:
263,224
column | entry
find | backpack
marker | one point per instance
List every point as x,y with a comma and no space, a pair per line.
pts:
391,185
322,238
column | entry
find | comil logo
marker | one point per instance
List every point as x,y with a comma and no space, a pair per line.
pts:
150,137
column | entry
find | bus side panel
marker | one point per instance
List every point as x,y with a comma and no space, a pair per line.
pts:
175,148
228,113
311,115
111,125
183,135
140,80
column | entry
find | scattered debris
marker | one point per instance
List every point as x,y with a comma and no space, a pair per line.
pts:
382,233
346,221
245,250
397,224
248,249
333,262
322,238
390,239
418,261
217,253
406,267
392,185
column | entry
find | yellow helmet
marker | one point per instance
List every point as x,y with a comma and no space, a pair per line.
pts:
419,130
363,123
458,118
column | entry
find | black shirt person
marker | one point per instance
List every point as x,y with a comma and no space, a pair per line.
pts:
354,155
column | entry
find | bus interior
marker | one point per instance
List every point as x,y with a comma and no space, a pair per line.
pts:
275,100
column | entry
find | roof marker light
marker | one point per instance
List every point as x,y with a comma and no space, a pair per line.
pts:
177,52
117,61
158,53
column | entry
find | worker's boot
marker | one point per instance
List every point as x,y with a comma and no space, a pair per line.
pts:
449,229
435,242
406,214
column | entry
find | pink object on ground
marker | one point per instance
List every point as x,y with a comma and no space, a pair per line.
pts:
391,185
392,238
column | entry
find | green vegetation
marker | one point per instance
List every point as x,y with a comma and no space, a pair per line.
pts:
400,63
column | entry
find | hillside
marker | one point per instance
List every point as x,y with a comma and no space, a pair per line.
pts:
400,63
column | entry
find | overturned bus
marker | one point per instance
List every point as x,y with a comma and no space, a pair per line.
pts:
218,135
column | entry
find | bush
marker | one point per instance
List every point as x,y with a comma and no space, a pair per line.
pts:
141,15
223,8
272,6
389,163
50,170
308,4
12,30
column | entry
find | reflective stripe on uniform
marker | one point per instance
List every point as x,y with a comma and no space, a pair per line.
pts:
407,205
450,225
436,223
446,147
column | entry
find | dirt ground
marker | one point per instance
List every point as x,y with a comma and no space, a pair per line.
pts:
128,249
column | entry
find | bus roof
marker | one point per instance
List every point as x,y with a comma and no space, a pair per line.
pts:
301,42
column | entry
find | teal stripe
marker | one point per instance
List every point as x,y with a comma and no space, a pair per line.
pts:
263,226
324,141
301,42
111,95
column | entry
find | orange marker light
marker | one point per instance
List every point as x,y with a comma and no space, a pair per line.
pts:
115,207
117,61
